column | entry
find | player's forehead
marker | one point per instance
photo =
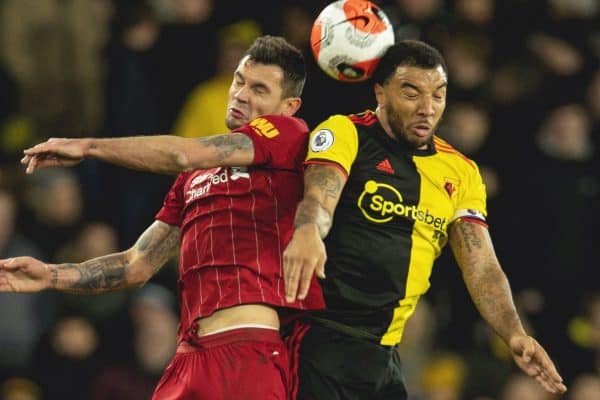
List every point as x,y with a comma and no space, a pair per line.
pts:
420,77
255,72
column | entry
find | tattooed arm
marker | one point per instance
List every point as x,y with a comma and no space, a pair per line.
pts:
486,282
131,268
163,154
305,254
490,291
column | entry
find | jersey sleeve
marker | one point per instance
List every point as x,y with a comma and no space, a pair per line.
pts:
334,141
472,200
172,209
279,142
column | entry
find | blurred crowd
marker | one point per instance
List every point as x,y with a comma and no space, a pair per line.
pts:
523,101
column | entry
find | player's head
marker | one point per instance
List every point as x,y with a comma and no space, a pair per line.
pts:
268,80
410,87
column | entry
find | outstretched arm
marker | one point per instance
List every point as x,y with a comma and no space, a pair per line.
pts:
131,268
165,154
305,254
490,291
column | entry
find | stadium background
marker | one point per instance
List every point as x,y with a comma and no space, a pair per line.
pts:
524,101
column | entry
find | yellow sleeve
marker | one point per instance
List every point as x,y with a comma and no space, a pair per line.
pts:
472,203
334,140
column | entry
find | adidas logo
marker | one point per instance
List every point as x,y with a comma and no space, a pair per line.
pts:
385,166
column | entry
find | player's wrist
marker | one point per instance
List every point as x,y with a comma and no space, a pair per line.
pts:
88,145
51,276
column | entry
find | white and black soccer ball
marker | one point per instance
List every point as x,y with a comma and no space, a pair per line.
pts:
349,37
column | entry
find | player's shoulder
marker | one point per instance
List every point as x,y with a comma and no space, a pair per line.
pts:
446,149
288,124
365,118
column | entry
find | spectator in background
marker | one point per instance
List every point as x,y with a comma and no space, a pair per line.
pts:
66,358
185,51
134,104
583,331
559,192
53,210
196,119
585,387
417,19
520,386
18,335
53,49
133,376
15,129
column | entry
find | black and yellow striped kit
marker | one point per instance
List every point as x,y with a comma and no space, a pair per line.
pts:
391,222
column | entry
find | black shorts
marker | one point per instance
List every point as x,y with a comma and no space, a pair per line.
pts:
330,365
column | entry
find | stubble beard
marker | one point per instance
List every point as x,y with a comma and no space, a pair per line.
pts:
403,135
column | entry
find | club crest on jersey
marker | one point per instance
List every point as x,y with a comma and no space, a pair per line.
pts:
450,186
321,141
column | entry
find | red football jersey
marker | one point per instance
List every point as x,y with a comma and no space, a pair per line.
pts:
236,221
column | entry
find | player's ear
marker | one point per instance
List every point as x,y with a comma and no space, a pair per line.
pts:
291,105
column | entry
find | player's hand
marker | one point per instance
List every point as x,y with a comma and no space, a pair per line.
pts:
531,357
23,274
54,153
304,256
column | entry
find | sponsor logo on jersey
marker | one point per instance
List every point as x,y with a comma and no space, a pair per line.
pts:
321,141
385,166
264,127
201,184
381,203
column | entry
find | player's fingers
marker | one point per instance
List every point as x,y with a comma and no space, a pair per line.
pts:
528,349
32,165
11,264
37,149
291,278
305,279
25,159
320,269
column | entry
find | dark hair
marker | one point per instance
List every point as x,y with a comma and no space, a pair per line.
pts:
410,53
275,50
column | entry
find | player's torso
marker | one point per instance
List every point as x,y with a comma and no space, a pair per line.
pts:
237,215
390,225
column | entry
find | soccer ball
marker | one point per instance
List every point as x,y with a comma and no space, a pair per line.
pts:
349,37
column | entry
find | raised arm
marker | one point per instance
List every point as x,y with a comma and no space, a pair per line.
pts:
164,154
131,268
490,291
305,254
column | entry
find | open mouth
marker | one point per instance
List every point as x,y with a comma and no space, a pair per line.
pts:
421,130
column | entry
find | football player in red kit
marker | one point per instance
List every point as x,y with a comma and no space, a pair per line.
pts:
230,212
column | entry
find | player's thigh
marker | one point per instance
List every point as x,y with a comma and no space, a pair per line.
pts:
334,366
254,370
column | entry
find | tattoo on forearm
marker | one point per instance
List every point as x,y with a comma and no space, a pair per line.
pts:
485,280
54,279
97,275
227,144
328,181
311,211
157,244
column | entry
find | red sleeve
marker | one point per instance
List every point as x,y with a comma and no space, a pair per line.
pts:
171,211
279,142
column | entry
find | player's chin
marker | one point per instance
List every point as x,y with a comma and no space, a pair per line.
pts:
233,122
